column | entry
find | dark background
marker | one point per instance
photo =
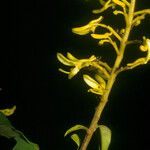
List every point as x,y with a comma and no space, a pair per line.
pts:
47,102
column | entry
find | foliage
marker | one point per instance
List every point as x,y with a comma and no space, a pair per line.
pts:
102,81
8,131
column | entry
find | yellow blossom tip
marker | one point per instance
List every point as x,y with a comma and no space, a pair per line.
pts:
118,2
101,36
64,60
71,57
90,81
90,27
8,111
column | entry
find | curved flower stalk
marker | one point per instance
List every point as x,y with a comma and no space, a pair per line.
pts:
105,5
106,38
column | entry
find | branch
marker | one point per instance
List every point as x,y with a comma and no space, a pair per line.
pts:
138,62
111,80
113,43
138,19
101,69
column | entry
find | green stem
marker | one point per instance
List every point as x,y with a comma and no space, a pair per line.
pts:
104,98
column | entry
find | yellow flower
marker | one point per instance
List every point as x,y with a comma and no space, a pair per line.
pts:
118,2
101,36
97,87
146,47
8,111
90,27
146,44
75,63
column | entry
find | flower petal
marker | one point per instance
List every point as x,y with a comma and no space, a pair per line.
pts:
101,36
146,44
71,57
118,2
143,48
61,70
99,92
95,21
101,81
81,30
101,42
73,72
90,81
64,60
92,58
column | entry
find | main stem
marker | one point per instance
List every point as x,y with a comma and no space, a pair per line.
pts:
104,98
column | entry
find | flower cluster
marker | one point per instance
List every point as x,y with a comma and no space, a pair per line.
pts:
98,84
111,36
74,63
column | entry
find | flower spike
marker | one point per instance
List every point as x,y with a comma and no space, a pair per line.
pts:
75,64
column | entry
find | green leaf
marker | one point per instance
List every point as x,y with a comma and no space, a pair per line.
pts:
24,145
7,131
105,133
75,128
4,120
76,139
